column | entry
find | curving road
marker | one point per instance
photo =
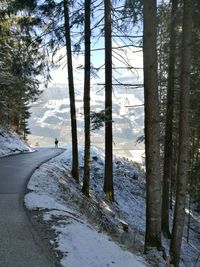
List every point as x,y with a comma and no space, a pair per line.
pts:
19,244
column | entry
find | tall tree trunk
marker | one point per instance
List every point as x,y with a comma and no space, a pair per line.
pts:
75,173
168,148
86,177
108,172
183,160
152,128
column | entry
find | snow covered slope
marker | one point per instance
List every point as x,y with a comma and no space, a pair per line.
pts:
11,143
84,229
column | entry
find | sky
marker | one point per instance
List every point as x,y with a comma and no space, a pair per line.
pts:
132,55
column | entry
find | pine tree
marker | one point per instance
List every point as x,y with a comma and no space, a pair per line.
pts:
75,172
21,60
183,155
108,171
86,176
168,147
152,132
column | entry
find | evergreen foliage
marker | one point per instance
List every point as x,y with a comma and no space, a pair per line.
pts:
21,61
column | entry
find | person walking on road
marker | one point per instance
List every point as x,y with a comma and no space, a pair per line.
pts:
56,143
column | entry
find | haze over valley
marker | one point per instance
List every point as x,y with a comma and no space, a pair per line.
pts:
50,117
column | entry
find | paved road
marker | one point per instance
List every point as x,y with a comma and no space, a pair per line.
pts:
20,245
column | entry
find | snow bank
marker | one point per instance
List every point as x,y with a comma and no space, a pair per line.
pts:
11,143
86,247
82,225
81,240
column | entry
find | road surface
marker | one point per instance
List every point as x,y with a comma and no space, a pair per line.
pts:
20,246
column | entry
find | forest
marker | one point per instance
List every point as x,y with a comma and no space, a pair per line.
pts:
33,32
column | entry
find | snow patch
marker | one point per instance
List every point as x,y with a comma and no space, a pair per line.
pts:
80,223
36,201
11,143
84,246
54,193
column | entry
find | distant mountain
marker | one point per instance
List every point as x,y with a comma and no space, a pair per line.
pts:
51,115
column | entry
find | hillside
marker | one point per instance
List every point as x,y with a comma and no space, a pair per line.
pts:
11,143
81,231
51,116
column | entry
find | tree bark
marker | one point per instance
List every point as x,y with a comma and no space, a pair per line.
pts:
108,172
86,176
74,171
168,147
183,160
152,128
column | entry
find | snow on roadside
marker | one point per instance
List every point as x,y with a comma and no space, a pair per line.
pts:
87,248
11,143
79,222
55,195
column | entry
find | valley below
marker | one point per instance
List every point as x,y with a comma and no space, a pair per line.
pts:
50,119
